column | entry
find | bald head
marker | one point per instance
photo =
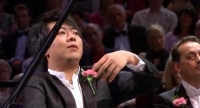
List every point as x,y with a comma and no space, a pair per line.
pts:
93,35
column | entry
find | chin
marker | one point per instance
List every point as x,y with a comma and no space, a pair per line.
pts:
74,57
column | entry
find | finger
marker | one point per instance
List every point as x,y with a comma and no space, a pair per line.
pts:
102,68
109,71
97,65
114,74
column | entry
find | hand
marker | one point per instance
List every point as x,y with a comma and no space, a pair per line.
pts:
111,64
127,103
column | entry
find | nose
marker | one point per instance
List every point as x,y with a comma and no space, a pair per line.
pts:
198,59
71,37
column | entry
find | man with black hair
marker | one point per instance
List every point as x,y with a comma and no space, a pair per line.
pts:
186,57
62,84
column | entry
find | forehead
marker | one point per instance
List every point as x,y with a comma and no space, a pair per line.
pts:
155,33
116,10
189,47
64,25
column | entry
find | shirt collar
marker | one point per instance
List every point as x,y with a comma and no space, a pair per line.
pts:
162,10
61,75
190,90
124,29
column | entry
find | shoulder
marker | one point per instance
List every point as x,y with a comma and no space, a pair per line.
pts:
141,12
38,78
168,94
169,12
165,99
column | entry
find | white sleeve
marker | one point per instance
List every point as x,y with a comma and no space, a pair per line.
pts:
139,67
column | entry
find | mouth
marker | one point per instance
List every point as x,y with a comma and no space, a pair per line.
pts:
73,46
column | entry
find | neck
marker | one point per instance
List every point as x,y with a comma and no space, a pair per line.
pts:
97,50
195,83
184,31
154,8
68,67
120,28
157,49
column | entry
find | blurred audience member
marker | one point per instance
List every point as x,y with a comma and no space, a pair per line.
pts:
122,36
178,5
156,13
77,15
7,24
100,17
186,26
157,54
52,4
171,77
14,45
88,7
93,36
197,29
132,6
5,72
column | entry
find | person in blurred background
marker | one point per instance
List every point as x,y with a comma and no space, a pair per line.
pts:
186,26
157,54
178,5
197,29
171,77
122,36
156,13
93,36
5,72
7,23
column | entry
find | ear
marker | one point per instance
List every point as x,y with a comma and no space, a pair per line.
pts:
177,66
46,55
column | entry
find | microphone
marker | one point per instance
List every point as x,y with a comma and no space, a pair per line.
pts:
36,60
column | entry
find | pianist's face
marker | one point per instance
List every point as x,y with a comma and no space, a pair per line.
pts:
67,45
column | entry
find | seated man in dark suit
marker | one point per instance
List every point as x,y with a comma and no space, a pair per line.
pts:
14,45
122,36
62,84
186,57
93,36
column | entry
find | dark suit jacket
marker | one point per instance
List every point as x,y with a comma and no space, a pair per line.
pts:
46,91
86,59
9,44
164,100
136,35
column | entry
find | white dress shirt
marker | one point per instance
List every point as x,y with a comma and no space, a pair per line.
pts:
193,93
75,87
122,41
164,17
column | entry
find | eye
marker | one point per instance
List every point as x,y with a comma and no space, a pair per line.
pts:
61,32
75,33
191,57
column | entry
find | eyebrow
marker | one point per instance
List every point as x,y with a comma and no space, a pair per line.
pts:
190,53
